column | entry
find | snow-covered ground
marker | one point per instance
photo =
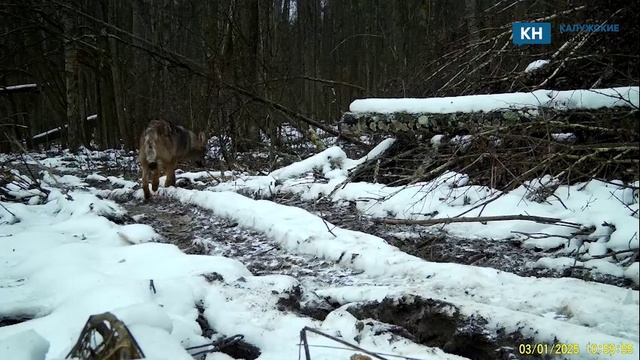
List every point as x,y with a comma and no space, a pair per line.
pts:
63,261
64,255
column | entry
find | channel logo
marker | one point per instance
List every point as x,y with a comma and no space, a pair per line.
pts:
531,33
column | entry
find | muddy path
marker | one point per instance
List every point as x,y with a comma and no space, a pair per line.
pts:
429,243
197,231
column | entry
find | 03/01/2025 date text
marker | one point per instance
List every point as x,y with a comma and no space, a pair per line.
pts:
574,349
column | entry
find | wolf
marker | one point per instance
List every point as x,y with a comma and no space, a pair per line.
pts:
162,145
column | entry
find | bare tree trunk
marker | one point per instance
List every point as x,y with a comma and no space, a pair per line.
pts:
72,71
117,83
142,83
471,12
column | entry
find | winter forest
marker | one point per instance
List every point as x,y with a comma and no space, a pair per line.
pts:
319,179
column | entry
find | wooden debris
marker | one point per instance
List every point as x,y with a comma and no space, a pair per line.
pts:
105,337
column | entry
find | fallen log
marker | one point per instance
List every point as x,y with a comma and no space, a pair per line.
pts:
612,121
58,132
12,89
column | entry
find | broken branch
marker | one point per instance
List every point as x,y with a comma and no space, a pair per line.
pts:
538,219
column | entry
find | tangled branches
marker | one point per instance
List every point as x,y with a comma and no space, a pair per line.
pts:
488,62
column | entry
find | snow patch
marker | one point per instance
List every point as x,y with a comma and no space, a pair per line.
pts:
25,345
633,273
535,65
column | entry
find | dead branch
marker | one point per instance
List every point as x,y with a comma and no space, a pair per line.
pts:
369,163
481,219
612,254
7,210
541,235
292,114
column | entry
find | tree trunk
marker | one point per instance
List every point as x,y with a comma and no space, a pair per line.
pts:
117,84
471,12
71,71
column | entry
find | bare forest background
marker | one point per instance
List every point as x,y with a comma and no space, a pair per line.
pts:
239,69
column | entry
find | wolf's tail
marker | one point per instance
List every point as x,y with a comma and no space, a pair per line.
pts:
150,150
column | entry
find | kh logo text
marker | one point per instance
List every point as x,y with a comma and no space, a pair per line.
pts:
527,33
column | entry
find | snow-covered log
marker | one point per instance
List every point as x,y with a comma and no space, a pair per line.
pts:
452,114
18,88
615,119
57,132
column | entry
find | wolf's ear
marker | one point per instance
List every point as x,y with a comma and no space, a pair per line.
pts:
202,138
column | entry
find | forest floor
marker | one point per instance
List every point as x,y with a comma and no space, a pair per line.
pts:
397,313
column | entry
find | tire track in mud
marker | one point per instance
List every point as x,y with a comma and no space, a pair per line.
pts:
197,231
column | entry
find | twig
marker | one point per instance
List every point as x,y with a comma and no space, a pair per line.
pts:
33,177
303,338
326,224
541,235
612,254
623,203
7,210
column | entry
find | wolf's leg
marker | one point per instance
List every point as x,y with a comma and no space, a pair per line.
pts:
171,175
145,182
155,179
